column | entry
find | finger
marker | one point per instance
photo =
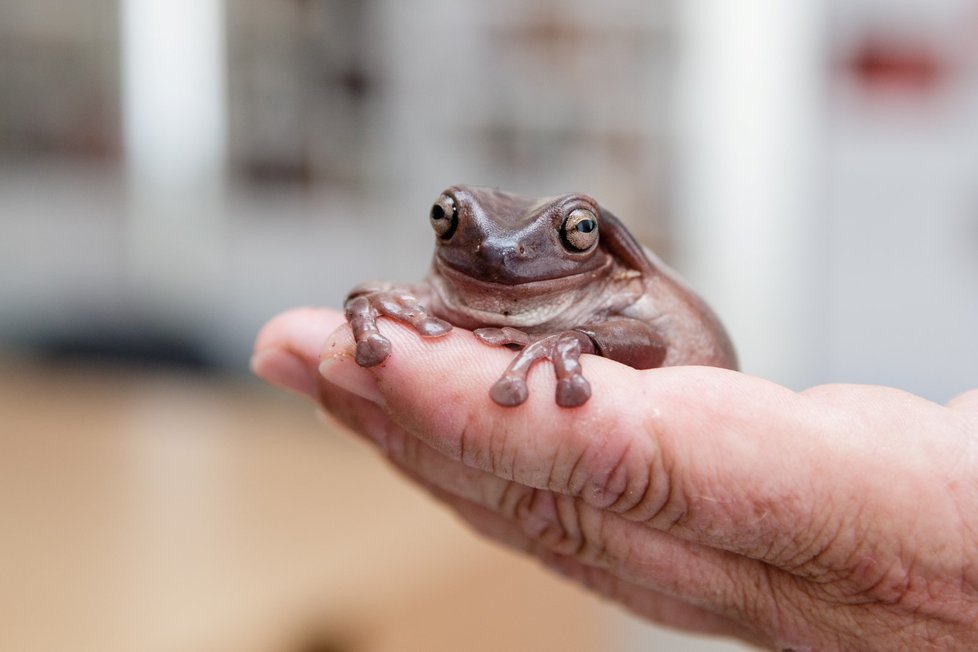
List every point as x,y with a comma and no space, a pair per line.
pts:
639,598
966,402
286,351
678,449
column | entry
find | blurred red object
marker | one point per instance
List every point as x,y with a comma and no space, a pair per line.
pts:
882,65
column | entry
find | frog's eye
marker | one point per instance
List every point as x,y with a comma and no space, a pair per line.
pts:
444,217
580,230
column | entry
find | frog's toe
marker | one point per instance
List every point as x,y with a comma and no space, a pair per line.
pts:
509,392
372,350
434,327
504,336
490,336
573,391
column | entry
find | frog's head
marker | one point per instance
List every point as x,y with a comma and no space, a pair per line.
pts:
493,236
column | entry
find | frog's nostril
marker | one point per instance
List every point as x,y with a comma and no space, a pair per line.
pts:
520,249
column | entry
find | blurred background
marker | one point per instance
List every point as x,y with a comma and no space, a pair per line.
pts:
175,172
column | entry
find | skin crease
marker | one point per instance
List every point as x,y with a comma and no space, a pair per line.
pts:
554,277
839,518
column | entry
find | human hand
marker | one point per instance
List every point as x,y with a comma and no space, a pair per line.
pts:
841,517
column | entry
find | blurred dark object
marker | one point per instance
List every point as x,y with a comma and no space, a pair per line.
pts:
59,79
301,81
126,346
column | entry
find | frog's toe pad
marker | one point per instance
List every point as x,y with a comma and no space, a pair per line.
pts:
372,350
434,327
573,391
509,392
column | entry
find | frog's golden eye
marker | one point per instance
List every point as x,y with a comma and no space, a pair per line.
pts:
444,217
580,230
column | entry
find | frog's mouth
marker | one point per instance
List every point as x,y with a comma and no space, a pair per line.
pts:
474,302
538,287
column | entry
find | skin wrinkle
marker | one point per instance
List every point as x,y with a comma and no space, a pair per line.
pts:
737,570
584,537
922,597
527,510
632,557
513,450
772,616
586,547
554,521
640,600
636,487
646,602
648,505
551,472
734,603
785,619
777,506
601,534
490,448
809,558
673,508
574,487
899,583
637,512
509,499
604,487
601,491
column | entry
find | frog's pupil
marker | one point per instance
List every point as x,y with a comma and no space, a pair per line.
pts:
586,226
437,213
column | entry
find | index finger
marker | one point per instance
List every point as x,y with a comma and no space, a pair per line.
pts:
705,454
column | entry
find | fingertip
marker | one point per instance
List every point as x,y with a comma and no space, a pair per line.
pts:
286,350
280,368
300,329
342,371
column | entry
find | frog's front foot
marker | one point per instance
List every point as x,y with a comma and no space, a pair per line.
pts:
363,309
562,349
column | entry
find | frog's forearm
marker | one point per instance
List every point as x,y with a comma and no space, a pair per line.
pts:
629,341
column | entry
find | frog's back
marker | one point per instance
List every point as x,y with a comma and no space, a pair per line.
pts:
691,330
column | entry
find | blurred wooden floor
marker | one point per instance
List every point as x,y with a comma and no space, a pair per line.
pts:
174,513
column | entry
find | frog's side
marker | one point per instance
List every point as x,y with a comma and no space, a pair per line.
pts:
553,277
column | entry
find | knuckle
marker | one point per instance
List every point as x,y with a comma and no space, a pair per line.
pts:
632,477
614,486
558,522
662,500
666,503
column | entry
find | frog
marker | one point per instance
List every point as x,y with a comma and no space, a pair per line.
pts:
553,279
